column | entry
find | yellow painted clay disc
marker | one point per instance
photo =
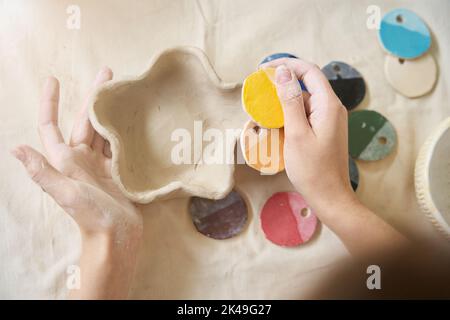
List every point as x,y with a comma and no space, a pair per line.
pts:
260,99
263,148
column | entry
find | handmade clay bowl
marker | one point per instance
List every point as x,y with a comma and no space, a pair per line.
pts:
146,117
432,178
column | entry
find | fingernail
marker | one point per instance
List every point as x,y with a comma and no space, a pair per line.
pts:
105,73
51,81
51,85
105,70
18,154
282,74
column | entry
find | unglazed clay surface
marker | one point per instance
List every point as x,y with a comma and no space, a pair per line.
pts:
432,177
411,78
139,116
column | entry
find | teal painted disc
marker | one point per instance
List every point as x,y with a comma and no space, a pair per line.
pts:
371,136
404,34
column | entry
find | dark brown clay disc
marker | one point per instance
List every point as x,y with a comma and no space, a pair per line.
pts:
219,219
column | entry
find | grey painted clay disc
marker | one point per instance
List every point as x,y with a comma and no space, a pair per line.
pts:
411,78
354,173
219,219
371,136
347,83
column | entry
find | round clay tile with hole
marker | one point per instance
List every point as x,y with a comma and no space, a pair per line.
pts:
347,83
411,78
404,34
219,219
287,220
263,148
280,55
371,136
260,99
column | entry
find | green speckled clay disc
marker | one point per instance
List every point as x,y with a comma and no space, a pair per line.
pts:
371,136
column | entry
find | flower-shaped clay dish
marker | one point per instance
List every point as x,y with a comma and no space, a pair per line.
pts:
432,178
139,118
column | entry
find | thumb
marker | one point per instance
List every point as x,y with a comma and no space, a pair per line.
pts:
58,186
291,99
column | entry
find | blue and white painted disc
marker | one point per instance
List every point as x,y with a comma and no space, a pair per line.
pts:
404,34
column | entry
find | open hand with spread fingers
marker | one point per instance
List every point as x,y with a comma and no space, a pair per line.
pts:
77,175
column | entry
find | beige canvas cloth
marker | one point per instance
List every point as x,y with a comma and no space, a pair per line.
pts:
38,240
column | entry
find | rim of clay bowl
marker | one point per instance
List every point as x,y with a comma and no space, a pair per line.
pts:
172,187
422,180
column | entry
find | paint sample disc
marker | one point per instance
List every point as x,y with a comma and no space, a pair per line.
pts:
347,83
371,136
219,219
280,55
276,56
354,173
260,99
404,34
263,148
287,220
411,78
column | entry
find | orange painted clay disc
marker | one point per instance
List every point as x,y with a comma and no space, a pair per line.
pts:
263,148
260,99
